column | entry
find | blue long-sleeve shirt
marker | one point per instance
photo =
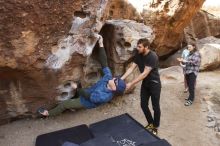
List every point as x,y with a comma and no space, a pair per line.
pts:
99,93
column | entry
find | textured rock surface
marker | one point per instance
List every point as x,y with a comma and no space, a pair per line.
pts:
44,44
120,39
202,25
209,49
169,18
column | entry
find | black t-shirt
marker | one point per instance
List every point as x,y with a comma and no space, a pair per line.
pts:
150,60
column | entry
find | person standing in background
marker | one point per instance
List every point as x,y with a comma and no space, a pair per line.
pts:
191,70
184,55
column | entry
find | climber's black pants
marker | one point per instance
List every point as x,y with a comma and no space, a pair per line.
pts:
102,57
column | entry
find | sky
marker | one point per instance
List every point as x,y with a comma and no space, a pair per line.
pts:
138,4
212,3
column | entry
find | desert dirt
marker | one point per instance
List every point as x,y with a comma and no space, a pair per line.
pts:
180,125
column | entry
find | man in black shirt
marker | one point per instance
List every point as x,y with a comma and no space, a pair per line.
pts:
147,62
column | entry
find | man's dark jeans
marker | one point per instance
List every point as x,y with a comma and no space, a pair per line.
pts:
151,90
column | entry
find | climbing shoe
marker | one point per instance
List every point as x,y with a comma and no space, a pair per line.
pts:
149,127
154,130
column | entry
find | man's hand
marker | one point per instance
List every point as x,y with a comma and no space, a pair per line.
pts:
128,86
100,41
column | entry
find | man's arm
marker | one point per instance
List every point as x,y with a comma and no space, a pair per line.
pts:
143,75
129,71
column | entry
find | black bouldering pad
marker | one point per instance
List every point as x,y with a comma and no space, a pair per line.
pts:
161,142
104,140
123,129
78,135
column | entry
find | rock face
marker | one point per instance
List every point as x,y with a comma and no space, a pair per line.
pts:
45,44
169,18
210,53
42,45
122,36
202,25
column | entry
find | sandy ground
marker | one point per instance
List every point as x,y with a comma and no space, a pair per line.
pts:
180,125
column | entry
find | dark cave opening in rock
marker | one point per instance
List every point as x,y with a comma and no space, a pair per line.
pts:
64,94
162,58
113,38
127,44
217,36
80,14
67,85
108,34
110,13
182,45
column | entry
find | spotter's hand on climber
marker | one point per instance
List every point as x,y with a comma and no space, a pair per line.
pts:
99,93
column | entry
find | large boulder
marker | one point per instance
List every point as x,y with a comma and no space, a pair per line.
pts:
203,24
120,40
37,65
209,49
44,45
169,18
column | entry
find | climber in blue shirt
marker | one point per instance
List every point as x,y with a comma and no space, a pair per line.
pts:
98,94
